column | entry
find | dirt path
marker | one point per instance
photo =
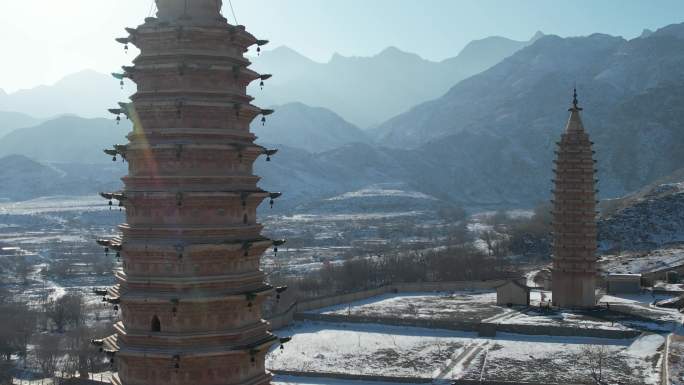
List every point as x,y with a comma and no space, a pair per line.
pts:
461,362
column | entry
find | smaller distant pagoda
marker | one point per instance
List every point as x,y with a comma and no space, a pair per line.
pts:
574,217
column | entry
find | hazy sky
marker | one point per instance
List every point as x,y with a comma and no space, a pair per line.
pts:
44,40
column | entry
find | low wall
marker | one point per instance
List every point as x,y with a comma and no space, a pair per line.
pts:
483,329
404,380
283,319
298,312
322,302
318,303
355,377
414,322
447,286
566,331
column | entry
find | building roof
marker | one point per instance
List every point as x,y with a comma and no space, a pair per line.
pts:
623,276
514,282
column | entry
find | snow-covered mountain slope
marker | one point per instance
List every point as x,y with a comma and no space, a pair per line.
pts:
645,220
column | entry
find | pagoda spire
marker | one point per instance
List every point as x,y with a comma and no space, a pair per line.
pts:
575,120
575,102
193,11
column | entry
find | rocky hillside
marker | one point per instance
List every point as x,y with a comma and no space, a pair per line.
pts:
649,219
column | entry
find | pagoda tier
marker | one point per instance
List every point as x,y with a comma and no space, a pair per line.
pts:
574,217
190,289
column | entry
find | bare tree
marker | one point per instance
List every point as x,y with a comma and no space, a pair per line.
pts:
81,356
459,234
66,311
22,269
594,358
47,353
6,372
489,237
61,268
17,322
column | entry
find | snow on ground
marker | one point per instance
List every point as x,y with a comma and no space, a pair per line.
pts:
645,346
641,305
381,192
626,312
671,287
623,312
291,380
643,298
54,205
104,377
529,278
347,217
635,263
371,349
540,296
461,305
562,318
366,349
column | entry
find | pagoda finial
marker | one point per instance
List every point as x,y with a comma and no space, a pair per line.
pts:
575,102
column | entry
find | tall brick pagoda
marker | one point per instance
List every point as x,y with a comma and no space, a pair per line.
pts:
574,217
190,290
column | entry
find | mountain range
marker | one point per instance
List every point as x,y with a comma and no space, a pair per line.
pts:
487,142
87,93
494,133
24,178
10,121
67,139
369,90
363,90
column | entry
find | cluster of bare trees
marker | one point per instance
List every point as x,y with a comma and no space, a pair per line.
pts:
50,339
69,354
462,254
531,237
522,236
454,263
17,324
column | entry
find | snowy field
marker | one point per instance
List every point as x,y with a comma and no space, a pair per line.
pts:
375,191
366,349
55,204
462,305
290,380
